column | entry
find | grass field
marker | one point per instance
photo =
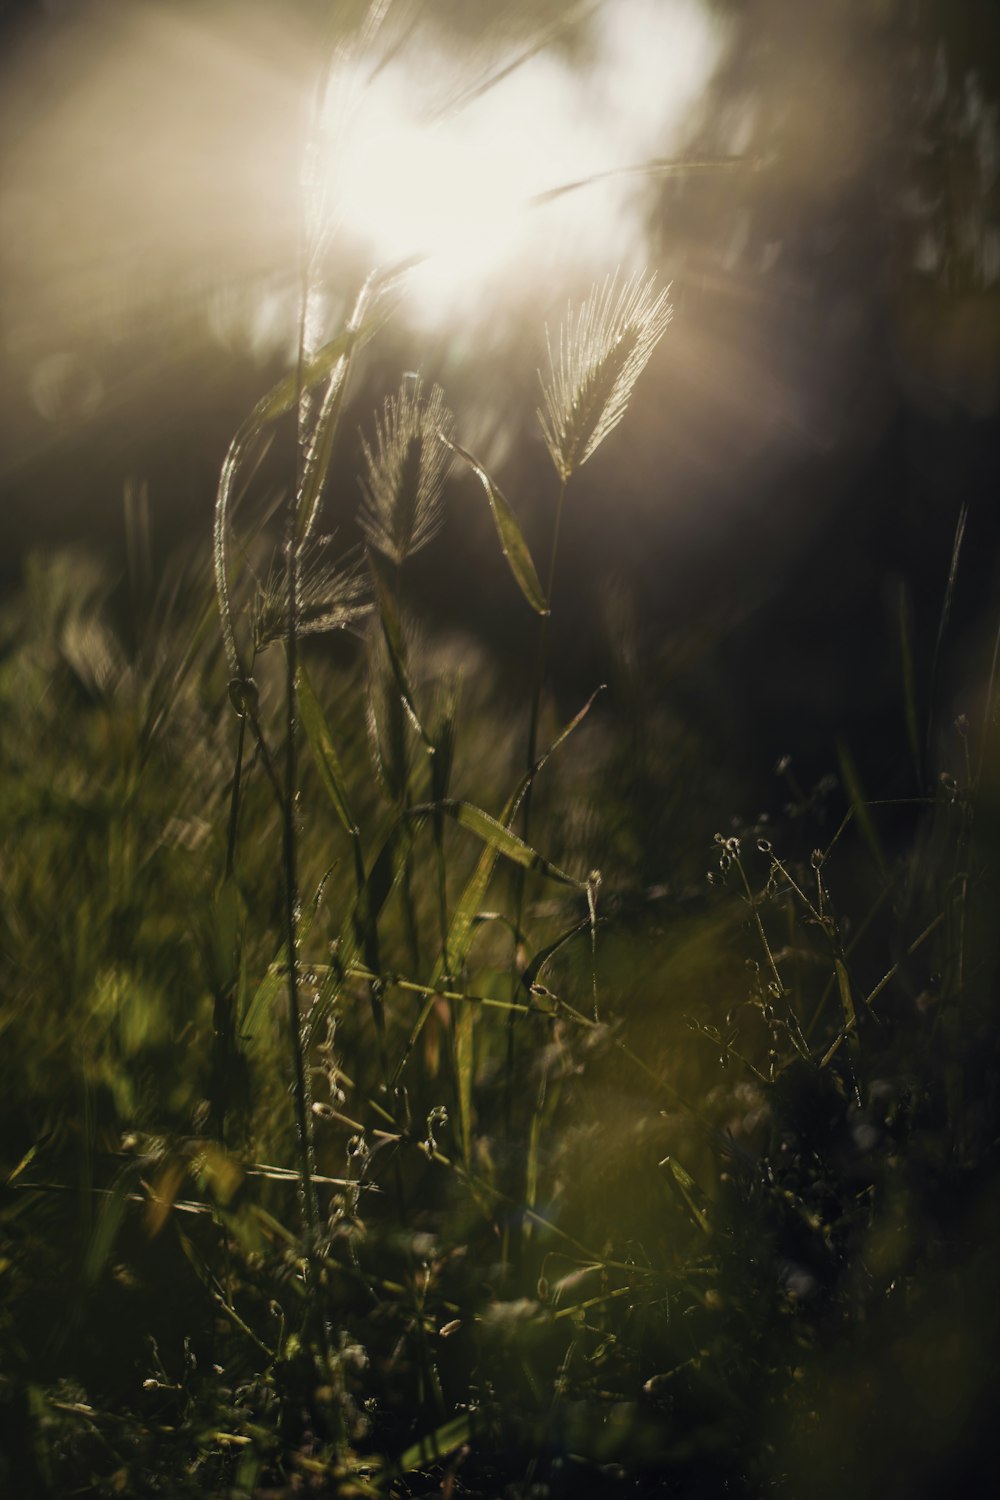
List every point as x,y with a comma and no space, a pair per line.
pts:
410,1091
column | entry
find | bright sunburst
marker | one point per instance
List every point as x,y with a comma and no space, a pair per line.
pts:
408,178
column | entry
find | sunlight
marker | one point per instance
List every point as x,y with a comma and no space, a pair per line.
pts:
459,187
453,194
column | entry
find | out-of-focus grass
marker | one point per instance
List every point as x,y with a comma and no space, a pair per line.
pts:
750,1242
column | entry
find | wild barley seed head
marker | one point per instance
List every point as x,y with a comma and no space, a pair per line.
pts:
405,471
331,596
603,348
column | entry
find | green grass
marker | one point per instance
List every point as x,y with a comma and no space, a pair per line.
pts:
358,1139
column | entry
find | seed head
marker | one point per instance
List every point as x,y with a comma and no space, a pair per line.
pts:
603,348
405,471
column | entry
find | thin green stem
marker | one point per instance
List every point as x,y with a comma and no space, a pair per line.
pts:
234,797
290,861
519,878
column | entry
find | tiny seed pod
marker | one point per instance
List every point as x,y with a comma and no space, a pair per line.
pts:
765,846
816,859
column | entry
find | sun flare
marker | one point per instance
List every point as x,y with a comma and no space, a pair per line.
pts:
406,175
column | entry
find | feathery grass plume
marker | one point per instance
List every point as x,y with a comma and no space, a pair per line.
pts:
405,471
603,348
331,596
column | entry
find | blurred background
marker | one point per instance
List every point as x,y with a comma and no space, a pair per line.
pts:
797,457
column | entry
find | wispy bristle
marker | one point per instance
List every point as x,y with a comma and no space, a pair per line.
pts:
405,471
330,597
603,348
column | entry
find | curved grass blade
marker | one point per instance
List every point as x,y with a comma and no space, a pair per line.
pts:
690,1194
497,837
515,548
465,1061
465,916
324,754
437,1445
567,729
532,973
655,166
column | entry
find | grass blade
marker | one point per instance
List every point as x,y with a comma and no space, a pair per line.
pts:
515,548
542,957
690,1194
498,837
437,1445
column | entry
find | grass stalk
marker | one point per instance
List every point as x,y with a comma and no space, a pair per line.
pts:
541,649
291,888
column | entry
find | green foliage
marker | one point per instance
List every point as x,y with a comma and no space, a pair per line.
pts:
306,1184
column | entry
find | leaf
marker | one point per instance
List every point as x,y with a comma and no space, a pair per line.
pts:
515,548
463,923
282,398
466,912
567,729
465,1034
437,1445
163,1195
444,740
689,1193
531,974
497,837
109,1222
324,754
